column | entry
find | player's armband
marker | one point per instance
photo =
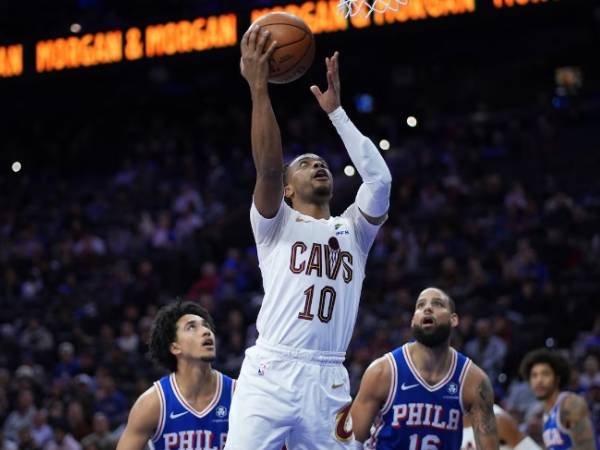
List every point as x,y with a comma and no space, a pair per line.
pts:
527,444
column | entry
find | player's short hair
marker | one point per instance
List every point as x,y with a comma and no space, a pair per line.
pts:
558,363
164,329
451,303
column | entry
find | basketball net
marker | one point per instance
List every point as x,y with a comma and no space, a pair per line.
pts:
351,8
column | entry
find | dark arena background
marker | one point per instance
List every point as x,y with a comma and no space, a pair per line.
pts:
126,180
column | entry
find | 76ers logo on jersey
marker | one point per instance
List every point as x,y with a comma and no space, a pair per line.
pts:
221,411
452,388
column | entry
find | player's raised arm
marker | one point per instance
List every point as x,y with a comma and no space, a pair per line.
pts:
478,400
143,421
575,417
266,138
372,394
373,198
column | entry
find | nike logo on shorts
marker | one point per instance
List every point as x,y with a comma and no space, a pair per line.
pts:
404,387
335,386
175,416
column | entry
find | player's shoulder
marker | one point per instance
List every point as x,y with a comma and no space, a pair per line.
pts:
572,402
378,377
380,370
150,398
145,412
477,387
475,374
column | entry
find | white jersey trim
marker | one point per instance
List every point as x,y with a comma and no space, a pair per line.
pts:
190,408
163,412
393,384
559,401
421,380
461,380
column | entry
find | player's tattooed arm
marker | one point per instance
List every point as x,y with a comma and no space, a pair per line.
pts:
574,415
478,398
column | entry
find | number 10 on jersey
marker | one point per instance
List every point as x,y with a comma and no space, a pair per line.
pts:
326,304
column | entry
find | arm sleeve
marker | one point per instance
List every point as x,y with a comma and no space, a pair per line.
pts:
267,231
365,231
373,196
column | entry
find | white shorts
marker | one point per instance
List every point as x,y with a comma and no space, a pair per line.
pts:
292,396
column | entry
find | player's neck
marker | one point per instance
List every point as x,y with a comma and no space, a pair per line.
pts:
195,380
314,210
431,362
551,401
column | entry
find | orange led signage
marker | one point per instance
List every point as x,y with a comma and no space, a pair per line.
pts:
11,61
510,3
218,31
324,16
155,40
84,51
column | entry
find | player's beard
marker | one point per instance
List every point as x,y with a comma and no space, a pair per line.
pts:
322,192
439,335
546,394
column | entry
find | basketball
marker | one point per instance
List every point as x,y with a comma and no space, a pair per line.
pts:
295,46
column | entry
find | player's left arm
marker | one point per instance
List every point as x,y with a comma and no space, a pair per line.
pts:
373,198
575,417
372,395
478,401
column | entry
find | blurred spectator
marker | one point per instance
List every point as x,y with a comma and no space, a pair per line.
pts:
77,420
68,364
21,417
26,441
40,430
101,438
486,349
110,401
591,372
62,439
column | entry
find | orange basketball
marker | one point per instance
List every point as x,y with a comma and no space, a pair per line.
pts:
295,46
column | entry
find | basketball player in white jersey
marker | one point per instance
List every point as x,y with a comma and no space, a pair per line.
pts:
415,397
509,435
189,408
293,387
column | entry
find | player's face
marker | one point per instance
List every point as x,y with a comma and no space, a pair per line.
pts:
309,178
194,339
543,381
433,318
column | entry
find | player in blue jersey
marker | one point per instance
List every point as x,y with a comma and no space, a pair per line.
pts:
567,424
414,398
189,408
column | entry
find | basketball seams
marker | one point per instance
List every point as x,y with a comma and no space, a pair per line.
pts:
308,48
297,54
306,33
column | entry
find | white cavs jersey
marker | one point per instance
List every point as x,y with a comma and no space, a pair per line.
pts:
312,271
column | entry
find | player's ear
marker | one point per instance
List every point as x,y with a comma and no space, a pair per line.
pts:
288,191
454,320
175,348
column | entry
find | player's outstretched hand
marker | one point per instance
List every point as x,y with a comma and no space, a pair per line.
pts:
330,100
254,63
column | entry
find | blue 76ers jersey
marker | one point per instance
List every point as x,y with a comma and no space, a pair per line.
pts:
555,436
417,416
181,427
